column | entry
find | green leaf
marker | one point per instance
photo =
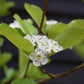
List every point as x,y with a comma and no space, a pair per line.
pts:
8,27
21,43
71,37
31,28
77,23
16,16
56,29
35,73
36,13
1,41
20,32
4,58
24,81
23,60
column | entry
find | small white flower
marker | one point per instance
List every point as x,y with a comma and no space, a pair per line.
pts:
51,22
15,24
55,46
43,37
44,45
30,39
36,37
38,57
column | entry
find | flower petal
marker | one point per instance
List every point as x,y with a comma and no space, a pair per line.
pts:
32,56
44,61
36,62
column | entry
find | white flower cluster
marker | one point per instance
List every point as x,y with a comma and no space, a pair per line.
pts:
15,24
43,47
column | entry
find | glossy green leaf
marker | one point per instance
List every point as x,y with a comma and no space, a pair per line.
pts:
35,73
18,41
31,28
17,17
1,41
56,29
4,58
24,81
36,13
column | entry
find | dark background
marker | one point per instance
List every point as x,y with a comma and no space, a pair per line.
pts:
62,11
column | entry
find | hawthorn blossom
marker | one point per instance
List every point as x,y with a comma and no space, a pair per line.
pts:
43,47
38,57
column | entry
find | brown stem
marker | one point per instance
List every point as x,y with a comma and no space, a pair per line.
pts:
65,74
50,75
27,68
44,12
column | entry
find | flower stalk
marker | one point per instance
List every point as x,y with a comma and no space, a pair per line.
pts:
27,69
50,75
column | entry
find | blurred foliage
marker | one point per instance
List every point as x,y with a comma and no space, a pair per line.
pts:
10,74
4,6
4,58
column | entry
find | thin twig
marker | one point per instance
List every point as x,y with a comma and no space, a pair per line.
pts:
50,75
44,12
27,68
65,74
